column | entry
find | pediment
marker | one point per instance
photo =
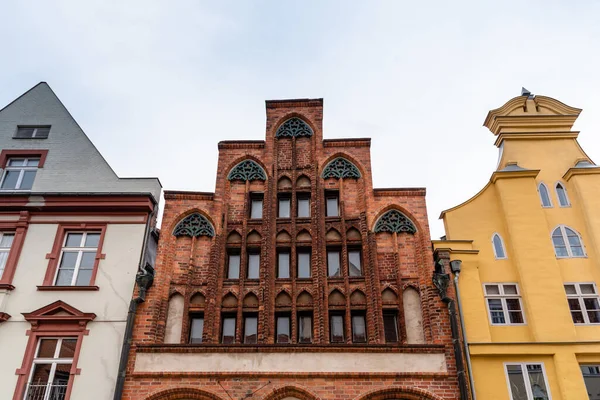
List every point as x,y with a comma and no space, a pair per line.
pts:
59,312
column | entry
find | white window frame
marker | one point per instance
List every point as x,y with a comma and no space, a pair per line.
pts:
526,378
502,297
562,185
80,250
563,232
580,296
5,249
35,129
54,361
501,244
547,192
21,170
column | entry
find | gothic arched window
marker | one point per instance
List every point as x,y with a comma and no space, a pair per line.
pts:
294,127
247,170
561,193
340,168
544,195
567,243
194,225
498,243
394,221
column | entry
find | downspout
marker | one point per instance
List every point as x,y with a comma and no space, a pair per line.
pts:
464,332
144,279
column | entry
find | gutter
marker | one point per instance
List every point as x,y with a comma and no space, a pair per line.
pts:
465,341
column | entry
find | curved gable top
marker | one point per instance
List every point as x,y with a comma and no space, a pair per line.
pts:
340,168
394,221
294,127
194,225
247,170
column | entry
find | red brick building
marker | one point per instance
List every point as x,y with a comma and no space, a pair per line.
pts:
294,279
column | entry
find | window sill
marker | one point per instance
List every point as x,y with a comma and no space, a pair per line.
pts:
302,220
356,278
333,218
284,219
255,221
67,288
6,286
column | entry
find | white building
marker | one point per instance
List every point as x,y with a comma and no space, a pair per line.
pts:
72,236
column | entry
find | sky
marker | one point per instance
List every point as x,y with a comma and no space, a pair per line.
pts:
156,85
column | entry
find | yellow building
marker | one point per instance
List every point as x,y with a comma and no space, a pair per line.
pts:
529,242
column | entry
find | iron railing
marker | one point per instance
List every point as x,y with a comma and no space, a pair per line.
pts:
46,392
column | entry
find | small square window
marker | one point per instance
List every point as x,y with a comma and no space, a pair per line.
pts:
233,265
33,132
250,329
283,264
256,206
196,328
283,328
228,329
333,263
390,326
336,328
584,303
354,262
303,206
304,263
284,207
359,328
331,202
253,265
304,327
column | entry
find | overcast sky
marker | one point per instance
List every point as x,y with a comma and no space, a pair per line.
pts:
156,85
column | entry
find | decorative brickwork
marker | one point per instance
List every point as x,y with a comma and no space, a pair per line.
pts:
194,225
270,283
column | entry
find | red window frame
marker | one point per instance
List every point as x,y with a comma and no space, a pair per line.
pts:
19,228
6,154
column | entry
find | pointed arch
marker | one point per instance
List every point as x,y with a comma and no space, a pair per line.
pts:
283,299
253,237
358,298
194,225
250,300
353,234
394,220
247,170
304,299
234,237
284,183
544,195
333,235
294,127
183,394
283,236
303,181
284,392
561,194
389,296
336,298
303,236
340,168
174,323
498,245
567,242
229,300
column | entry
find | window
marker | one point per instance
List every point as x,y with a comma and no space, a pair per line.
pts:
390,326
228,333
354,263
51,369
336,328
304,263
499,251
284,207
303,206
504,304
583,302
359,328
196,328
77,259
527,381
567,243
304,328
561,193
256,206
250,329
283,264
333,263
591,377
33,132
544,195
283,328
19,173
6,240
233,266
331,202
253,265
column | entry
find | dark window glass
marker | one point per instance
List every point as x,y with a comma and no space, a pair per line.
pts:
196,328
591,377
359,329
284,207
304,328
32,132
233,266
228,336
253,265
354,263
283,264
283,329
390,326
303,206
250,329
256,207
333,263
304,263
331,200
336,328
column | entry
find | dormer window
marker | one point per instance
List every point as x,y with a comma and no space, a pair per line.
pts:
33,132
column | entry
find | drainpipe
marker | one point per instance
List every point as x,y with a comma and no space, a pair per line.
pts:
144,279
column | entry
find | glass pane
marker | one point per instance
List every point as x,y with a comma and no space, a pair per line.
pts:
283,329
41,374
84,277
498,248
10,179
305,329
7,240
88,259
196,330
333,263
390,327
250,330
284,208
337,328
496,312
577,251
228,330
516,382
577,317
233,270
304,264
359,332
492,289
61,379
65,277
253,265
562,196
303,208
92,239
516,317
570,289
513,304
25,132
574,304
3,258
73,239
332,207
283,264
594,317
27,182
47,348
354,263
67,349
587,288
69,259
537,381
33,162
591,303
510,289
257,209
42,132
16,162
591,377
544,195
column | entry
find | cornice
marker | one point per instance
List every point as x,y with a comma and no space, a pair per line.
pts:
347,142
528,173
405,192
185,195
536,136
241,144
571,172
287,103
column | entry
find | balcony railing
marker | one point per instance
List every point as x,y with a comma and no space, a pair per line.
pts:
46,392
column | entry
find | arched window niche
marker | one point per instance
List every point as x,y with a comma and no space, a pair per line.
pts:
498,245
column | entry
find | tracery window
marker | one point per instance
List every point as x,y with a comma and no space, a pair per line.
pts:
340,168
194,225
394,221
294,127
247,170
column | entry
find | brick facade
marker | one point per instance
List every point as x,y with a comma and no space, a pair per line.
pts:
195,268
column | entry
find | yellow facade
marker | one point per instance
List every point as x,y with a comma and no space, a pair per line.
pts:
537,145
